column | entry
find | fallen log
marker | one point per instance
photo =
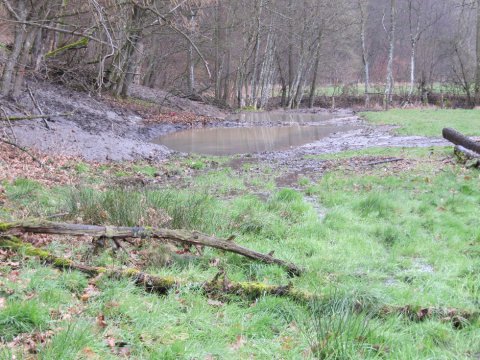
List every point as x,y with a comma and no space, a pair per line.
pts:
112,232
154,283
221,285
457,138
465,156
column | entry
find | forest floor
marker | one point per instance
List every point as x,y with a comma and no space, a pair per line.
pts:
371,234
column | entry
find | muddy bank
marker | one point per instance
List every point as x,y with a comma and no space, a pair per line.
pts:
97,130
103,130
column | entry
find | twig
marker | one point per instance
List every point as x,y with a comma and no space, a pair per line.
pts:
22,149
10,125
383,162
35,103
33,117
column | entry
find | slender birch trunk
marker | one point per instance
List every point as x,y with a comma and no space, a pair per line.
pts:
256,55
191,58
391,51
412,68
366,64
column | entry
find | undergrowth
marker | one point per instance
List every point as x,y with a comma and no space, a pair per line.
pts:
390,237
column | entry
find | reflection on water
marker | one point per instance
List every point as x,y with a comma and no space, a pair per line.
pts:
229,141
281,117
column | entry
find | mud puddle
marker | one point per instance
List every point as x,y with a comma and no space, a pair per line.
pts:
230,141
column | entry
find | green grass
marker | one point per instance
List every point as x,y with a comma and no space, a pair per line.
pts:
395,237
427,122
21,317
405,153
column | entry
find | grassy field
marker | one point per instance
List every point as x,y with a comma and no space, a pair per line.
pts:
388,243
427,122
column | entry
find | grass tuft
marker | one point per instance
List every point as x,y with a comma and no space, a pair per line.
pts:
22,317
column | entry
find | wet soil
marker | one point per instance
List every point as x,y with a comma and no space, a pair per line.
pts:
100,130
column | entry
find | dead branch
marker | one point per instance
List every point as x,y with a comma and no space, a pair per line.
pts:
9,125
22,149
33,117
383,162
37,106
153,283
181,236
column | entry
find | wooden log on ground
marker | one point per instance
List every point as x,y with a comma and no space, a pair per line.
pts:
180,236
221,285
465,156
457,138
461,152
153,283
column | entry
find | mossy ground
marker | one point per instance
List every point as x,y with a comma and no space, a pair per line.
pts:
394,234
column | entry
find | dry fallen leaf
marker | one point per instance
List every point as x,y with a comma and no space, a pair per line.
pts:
110,342
238,343
88,353
214,262
101,321
215,303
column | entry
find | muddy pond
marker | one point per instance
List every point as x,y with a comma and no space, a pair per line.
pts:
284,131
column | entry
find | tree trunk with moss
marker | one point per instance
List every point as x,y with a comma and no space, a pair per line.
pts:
221,285
158,284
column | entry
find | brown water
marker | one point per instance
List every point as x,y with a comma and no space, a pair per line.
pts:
230,141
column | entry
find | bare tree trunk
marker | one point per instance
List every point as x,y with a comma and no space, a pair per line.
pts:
313,87
8,78
124,64
412,68
268,67
191,57
290,55
414,37
256,55
23,62
226,80
477,78
365,61
391,35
